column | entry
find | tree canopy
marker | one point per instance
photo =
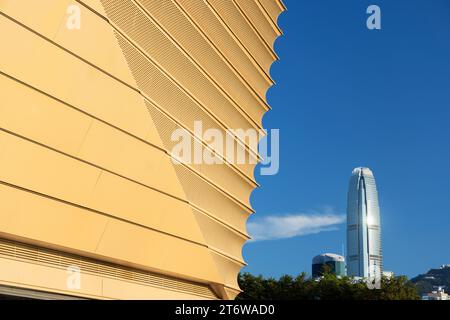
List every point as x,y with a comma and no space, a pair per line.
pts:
328,287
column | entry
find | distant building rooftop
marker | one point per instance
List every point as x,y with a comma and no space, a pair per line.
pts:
327,257
438,294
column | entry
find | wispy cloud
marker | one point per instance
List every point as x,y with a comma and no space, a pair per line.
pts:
293,225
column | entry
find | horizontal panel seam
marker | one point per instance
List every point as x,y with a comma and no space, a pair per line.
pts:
227,62
212,116
105,72
269,18
106,170
268,46
206,110
227,256
227,163
172,78
244,47
141,93
107,215
68,51
101,263
236,232
216,187
221,190
221,221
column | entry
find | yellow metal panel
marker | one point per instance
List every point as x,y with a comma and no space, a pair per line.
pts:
134,159
36,168
45,15
138,204
259,19
219,237
94,40
132,291
197,46
228,268
163,92
58,224
225,176
35,116
203,195
217,31
42,170
94,275
143,247
31,114
182,85
85,121
42,219
273,7
232,16
38,277
29,57
95,5
43,278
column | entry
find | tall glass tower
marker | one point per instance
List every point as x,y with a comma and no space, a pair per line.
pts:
364,257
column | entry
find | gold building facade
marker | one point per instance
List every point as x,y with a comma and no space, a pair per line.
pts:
90,92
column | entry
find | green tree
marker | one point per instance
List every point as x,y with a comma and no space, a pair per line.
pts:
328,287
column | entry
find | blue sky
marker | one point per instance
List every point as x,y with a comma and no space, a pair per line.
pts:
346,97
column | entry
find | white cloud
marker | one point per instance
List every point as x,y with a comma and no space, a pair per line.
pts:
288,226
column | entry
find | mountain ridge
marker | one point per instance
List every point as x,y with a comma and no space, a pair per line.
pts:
434,277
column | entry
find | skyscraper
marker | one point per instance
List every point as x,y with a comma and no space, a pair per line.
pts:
364,258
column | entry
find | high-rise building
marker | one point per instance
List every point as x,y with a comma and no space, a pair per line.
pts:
93,203
364,255
335,262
